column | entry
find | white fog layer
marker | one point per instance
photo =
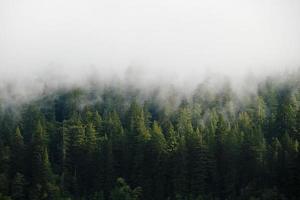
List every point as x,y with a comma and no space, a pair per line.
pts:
144,43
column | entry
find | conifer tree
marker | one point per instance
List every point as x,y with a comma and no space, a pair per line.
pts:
40,166
18,187
17,154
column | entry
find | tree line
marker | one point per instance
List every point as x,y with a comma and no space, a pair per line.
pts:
213,145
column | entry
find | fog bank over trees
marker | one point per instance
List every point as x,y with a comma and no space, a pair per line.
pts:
56,43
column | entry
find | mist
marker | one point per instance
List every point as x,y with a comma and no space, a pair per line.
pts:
63,44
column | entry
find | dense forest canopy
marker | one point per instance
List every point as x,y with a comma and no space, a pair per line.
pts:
116,143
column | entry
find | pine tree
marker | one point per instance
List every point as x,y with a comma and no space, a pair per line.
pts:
274,158
18,187
286,114
30,117
196,164
138,135
108,166
179,175
154,162
114,130
90,138
17,154
40,171
98,123
74,155
223,173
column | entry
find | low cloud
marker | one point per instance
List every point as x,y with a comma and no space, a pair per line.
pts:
49,45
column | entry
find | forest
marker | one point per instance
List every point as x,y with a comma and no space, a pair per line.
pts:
115,143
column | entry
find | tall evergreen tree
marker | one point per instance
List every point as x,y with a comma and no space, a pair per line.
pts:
40,166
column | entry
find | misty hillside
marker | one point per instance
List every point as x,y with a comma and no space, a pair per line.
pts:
120,144
149,99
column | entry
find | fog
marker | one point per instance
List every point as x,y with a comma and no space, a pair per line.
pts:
181,42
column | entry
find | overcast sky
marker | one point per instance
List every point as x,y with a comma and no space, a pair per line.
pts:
157,36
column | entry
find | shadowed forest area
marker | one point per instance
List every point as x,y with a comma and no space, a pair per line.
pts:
115,144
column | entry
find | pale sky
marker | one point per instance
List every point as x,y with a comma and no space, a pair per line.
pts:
79,37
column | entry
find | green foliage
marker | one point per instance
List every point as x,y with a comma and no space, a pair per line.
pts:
69,145
123,192
18,187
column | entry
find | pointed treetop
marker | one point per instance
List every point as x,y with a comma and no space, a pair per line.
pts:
18,138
